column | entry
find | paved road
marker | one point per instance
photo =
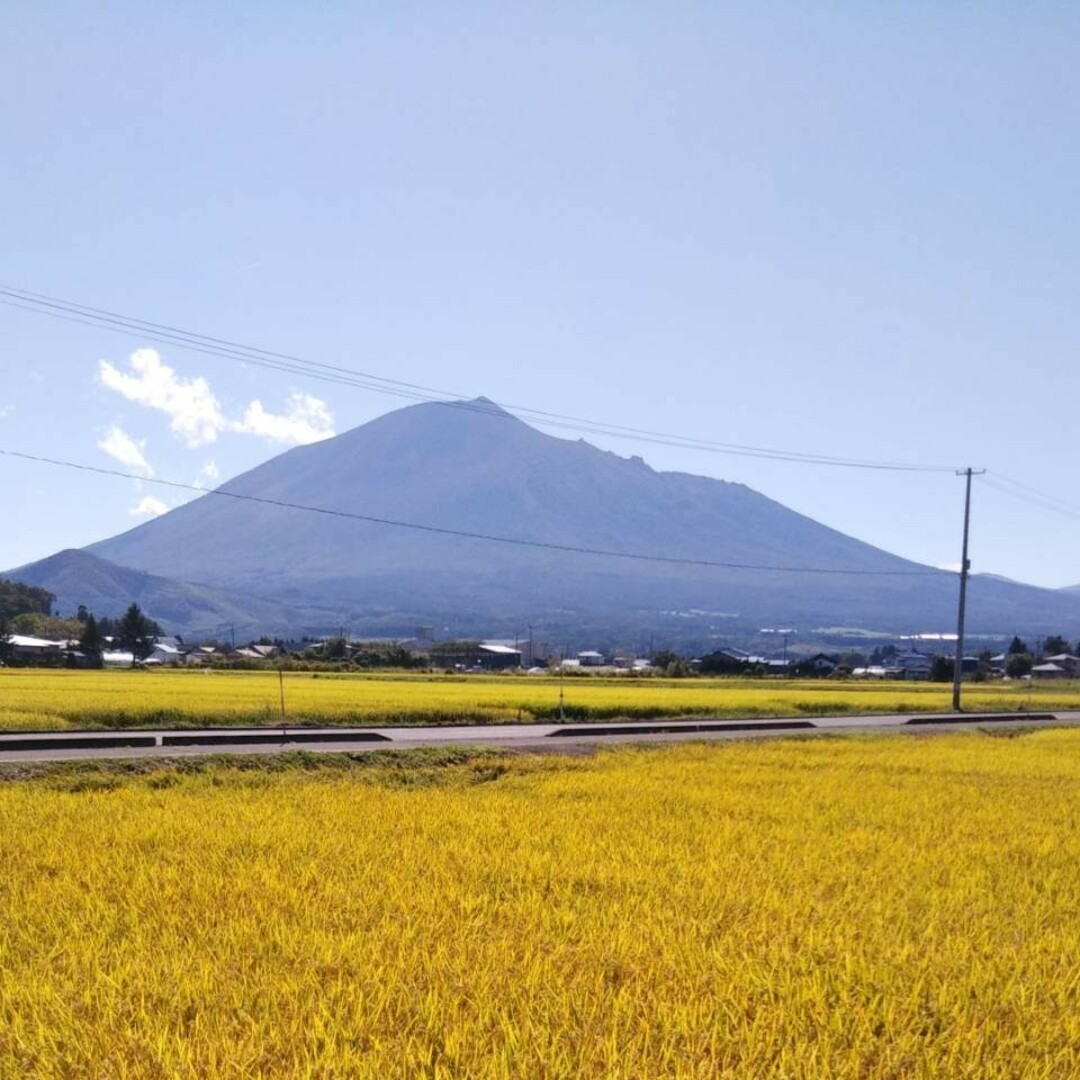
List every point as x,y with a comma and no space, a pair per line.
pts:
576,738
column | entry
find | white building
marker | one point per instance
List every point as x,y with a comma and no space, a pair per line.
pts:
591,658
116,659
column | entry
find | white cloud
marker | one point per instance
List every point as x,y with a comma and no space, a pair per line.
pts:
306,420
196,416
120,446
6,411
209,473
149,507
194,413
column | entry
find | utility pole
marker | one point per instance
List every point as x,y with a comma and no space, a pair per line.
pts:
562,683
965,567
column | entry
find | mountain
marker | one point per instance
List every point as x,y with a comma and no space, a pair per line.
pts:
471,467
77,577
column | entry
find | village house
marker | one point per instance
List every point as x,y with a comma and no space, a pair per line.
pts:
818,664
499,657
167,653
1067,662
591,658
33,650
1049,670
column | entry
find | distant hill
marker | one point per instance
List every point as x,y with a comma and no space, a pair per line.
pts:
470,466
77,577
1002,577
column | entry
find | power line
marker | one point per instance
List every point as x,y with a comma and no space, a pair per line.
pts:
1032,496
100,318
465,534
361,380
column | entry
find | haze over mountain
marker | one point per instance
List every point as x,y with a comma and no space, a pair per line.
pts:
470,466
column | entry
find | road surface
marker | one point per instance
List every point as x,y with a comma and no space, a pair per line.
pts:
578,737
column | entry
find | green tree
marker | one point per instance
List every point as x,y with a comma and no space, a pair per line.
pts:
373,655
29,623
941,669
51,627
853,659
91,642
1055,644
135,634
664,658
18,599
1018,665
1017,646
336,648
5,644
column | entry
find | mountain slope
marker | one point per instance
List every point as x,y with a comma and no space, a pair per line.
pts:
77,577
473,469
470,466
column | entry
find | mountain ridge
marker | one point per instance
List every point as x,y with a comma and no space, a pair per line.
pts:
78,577
472,467
543,485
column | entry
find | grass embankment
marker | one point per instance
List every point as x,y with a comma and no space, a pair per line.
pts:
831,908
81,699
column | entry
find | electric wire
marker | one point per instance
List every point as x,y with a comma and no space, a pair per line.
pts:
223,492
1032,496
100,318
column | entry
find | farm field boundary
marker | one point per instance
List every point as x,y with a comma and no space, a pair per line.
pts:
38,700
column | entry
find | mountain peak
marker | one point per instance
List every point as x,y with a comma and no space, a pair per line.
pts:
412,493
481,404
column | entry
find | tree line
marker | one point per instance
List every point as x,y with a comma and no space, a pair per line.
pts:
27,610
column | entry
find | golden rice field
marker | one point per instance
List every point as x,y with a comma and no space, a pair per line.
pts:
58,699
832,908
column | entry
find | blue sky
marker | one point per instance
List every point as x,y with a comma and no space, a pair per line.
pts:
845,229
